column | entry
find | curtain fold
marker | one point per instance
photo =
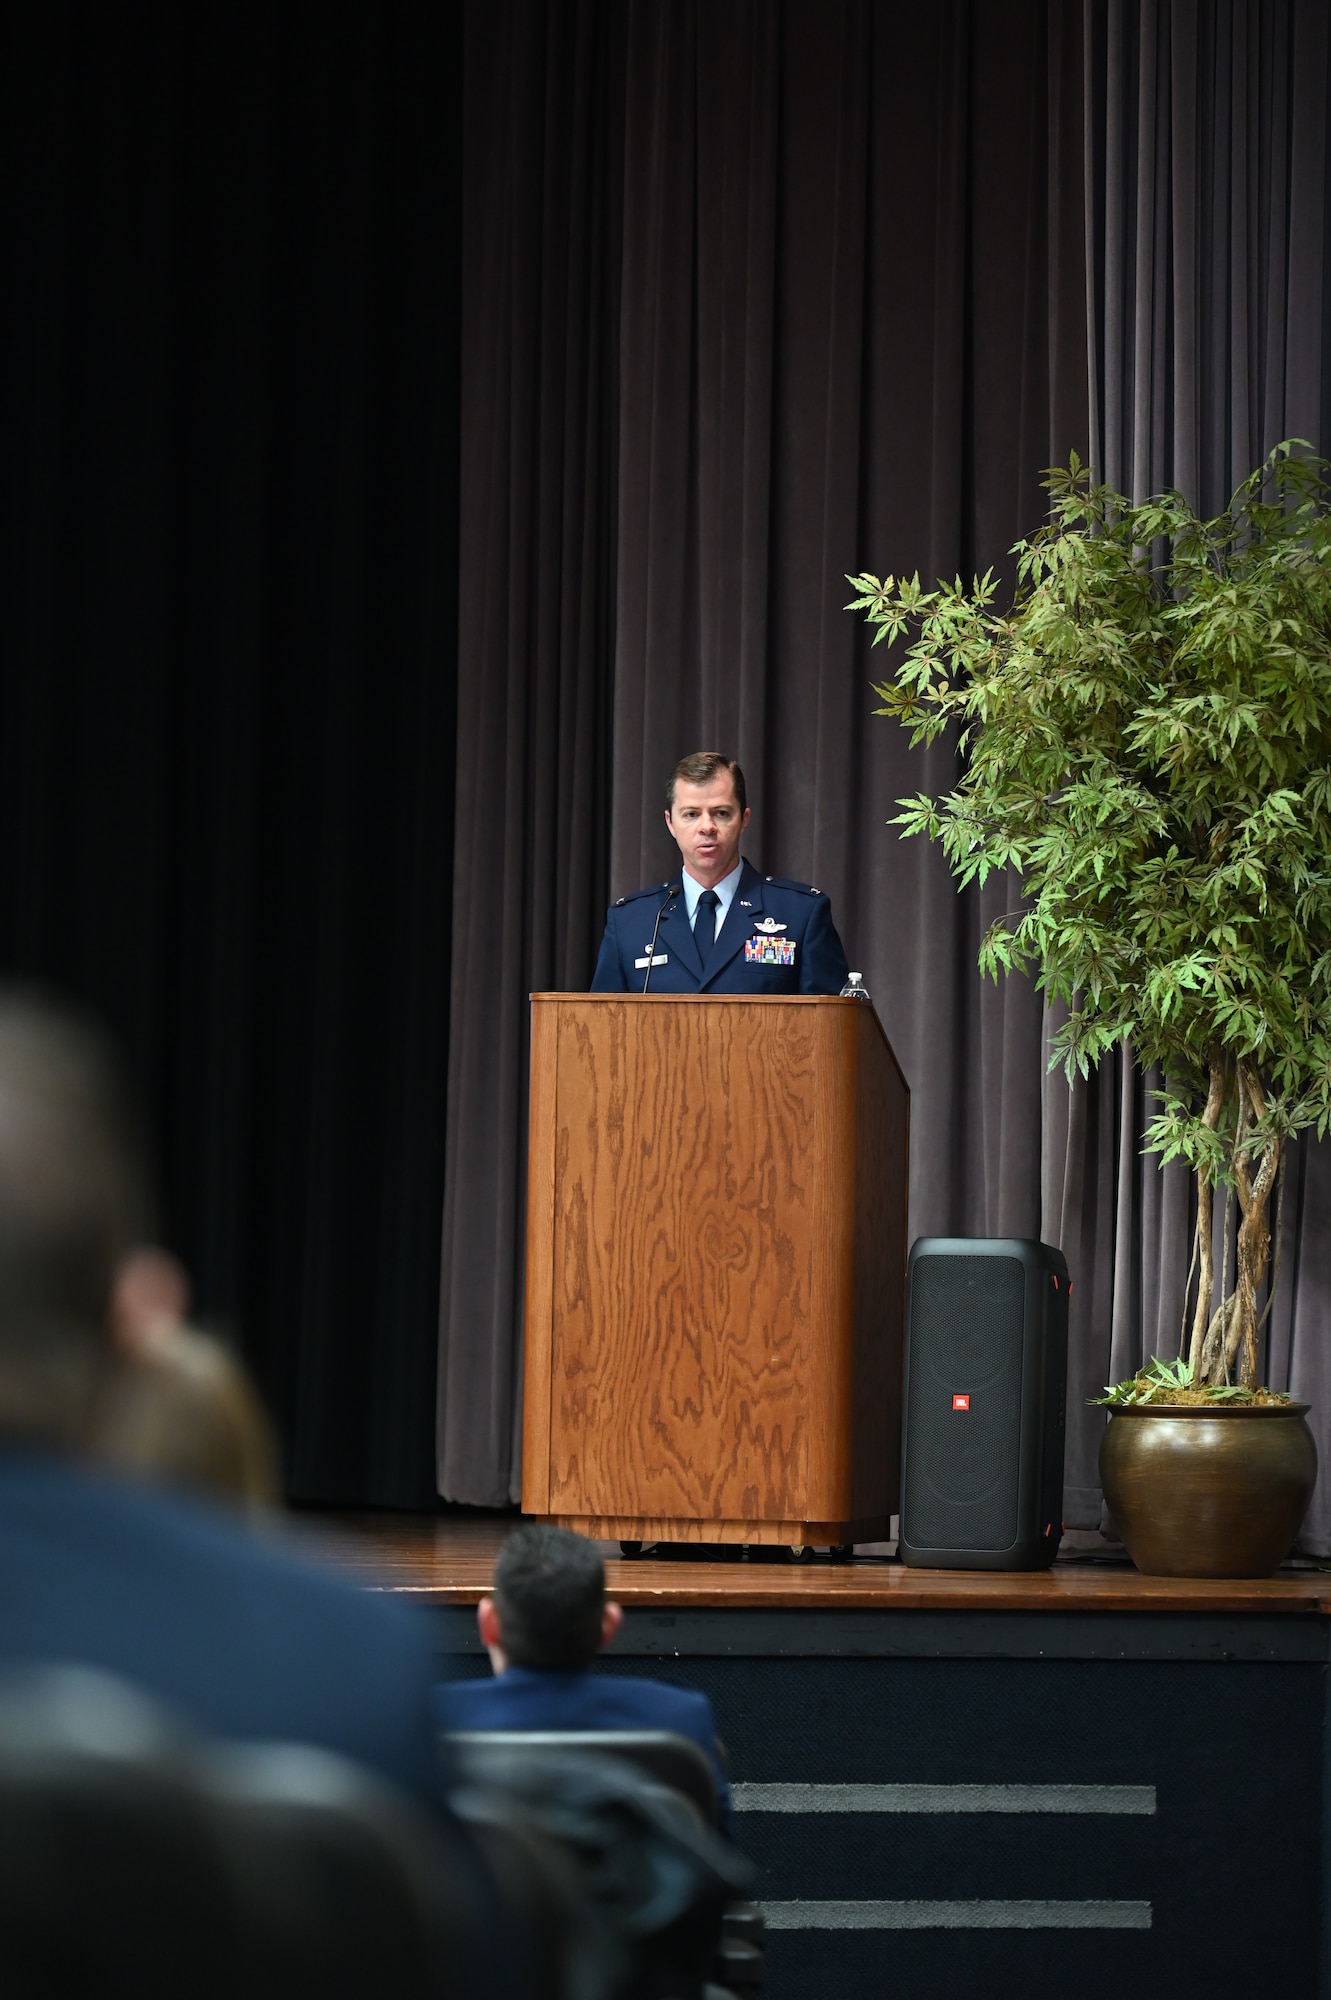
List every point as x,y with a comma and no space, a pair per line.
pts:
1209,266
541,248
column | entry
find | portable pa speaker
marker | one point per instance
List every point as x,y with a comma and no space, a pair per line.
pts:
984,1403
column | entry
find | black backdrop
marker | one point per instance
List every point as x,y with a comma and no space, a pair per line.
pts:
228,643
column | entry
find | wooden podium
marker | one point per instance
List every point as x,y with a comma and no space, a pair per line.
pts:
716,1259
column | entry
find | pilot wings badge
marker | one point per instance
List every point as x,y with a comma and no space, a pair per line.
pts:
769,926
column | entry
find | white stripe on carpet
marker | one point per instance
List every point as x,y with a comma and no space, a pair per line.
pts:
960,1916
1138,1799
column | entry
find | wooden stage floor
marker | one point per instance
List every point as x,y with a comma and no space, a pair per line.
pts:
449,1560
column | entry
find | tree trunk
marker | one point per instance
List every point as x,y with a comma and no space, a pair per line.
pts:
1201,1319
1232,1335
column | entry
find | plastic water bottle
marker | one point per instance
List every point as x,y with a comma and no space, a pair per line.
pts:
855,988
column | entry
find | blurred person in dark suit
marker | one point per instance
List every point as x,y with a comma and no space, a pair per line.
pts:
543,1627
241,1638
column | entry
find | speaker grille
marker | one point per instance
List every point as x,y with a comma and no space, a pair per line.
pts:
967,1319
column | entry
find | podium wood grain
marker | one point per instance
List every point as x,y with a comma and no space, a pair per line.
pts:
715,1267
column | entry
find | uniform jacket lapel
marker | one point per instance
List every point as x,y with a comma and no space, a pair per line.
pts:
676,937
746,905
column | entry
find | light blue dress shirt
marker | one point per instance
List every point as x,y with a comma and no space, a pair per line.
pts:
725,891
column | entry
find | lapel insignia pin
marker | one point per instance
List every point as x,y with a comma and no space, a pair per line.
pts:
769,926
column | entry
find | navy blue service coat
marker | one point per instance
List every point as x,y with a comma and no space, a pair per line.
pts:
778,937
537,1698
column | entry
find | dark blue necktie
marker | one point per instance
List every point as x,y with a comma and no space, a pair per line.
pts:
704,926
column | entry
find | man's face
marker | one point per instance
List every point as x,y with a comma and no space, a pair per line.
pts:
706,825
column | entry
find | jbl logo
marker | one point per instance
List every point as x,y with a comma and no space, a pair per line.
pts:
961,1402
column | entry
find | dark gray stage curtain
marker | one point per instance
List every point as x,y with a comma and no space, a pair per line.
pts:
760,294
1207,164
755,294
542,227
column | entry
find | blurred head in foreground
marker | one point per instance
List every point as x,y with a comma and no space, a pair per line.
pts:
73,1199
180,1411
93,1350
549,1608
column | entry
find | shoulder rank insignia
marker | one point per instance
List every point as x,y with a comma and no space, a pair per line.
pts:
769,926
654,890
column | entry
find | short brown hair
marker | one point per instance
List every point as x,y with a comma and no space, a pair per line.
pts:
699,768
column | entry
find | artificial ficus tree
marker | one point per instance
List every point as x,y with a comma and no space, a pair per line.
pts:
1145,737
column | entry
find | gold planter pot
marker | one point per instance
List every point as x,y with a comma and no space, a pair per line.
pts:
1205,1490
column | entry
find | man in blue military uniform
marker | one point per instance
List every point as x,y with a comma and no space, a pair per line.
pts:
718,926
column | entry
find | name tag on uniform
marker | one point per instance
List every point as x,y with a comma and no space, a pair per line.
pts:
641,964
770,951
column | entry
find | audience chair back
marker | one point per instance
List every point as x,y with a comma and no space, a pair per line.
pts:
673,1761
633,1811
133,1859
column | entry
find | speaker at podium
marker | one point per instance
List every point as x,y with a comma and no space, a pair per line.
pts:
984,1403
